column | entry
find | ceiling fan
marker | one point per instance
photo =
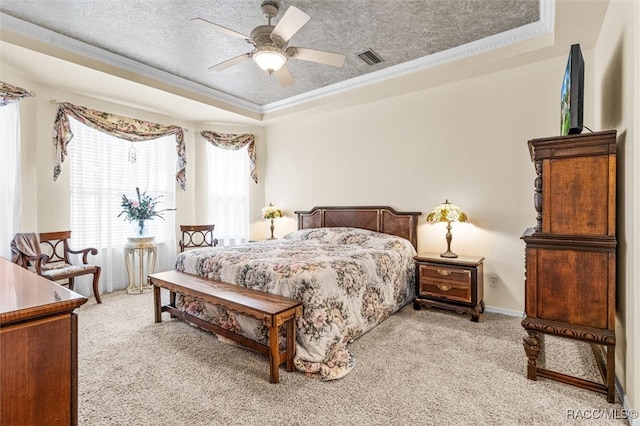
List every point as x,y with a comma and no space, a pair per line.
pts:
271,43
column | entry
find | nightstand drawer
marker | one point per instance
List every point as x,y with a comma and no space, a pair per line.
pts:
443,273
449,283
446,290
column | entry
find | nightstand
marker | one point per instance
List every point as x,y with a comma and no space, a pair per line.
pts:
455,284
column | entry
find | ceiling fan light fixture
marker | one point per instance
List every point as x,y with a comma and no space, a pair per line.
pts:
271,50
269,58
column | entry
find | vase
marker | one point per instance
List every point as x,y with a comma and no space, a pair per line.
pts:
141,228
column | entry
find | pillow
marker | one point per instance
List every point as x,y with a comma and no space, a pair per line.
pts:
339,235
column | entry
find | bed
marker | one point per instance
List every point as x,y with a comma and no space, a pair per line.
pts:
352,267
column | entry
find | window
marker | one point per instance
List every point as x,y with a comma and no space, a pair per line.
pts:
100,173
228,195
10,187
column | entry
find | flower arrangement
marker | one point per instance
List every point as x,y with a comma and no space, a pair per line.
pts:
142,208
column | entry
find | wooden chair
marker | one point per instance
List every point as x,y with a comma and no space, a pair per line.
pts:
194,236
197,236
50,259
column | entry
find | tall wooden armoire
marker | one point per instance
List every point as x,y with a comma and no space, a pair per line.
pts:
570,255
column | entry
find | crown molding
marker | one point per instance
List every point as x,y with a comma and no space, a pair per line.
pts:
69,44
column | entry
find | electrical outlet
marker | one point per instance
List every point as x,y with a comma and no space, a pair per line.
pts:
493,281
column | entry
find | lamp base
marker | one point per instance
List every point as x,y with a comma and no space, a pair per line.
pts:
272,237
449,254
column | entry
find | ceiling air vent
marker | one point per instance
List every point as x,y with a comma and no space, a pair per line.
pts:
370,57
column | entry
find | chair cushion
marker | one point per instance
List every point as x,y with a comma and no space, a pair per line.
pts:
62,271
51,266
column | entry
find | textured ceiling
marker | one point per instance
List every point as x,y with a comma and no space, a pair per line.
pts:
159,35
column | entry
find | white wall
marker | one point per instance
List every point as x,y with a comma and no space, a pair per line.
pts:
617,107
466,142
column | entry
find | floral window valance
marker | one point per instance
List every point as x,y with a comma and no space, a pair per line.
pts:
10,93
130,129
235,142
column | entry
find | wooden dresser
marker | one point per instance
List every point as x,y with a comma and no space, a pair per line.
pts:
570,255
38,349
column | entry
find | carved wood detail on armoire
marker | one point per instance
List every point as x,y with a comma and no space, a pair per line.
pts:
570,255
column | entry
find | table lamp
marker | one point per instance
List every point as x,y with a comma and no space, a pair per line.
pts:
447,212
271,212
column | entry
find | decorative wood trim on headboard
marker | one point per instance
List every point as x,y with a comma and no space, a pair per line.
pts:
376,218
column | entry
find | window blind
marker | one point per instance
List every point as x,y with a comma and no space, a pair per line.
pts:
228,194
100,173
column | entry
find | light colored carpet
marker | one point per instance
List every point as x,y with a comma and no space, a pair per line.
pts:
429,367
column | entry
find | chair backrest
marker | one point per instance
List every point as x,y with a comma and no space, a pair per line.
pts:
56,246
197,236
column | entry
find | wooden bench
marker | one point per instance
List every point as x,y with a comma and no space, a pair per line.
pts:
273,310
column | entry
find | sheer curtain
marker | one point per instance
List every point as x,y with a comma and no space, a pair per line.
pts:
10,187
100,174
228,195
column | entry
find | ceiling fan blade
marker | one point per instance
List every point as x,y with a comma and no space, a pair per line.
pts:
292,20
318,56
284,76
220,28
229,62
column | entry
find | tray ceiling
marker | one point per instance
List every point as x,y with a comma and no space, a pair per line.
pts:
156,39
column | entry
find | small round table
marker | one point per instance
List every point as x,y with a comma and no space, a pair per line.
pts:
147,251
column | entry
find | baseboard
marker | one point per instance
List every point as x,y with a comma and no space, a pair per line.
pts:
508,312
630,414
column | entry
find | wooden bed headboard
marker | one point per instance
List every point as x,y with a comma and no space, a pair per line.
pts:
379,219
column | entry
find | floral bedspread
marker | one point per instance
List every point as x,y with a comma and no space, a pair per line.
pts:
348,279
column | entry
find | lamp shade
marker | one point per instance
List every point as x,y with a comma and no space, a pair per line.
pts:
447,212
269,58
270,212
